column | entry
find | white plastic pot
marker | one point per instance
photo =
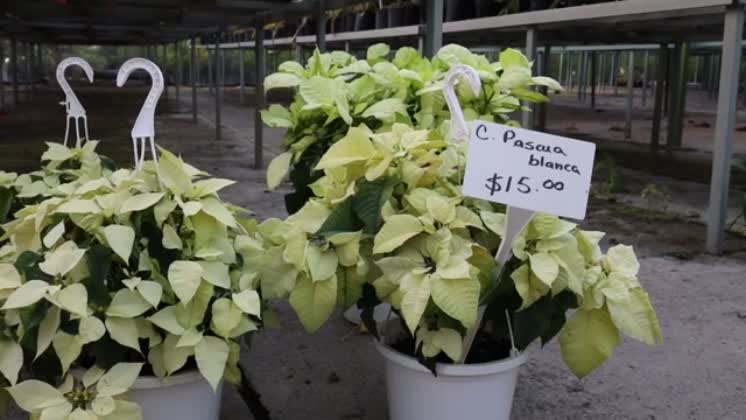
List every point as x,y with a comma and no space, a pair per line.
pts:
186,396
459,392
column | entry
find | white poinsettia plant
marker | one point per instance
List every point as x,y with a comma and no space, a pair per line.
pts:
389,223
336,91
122,273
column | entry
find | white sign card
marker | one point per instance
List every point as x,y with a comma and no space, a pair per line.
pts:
529,169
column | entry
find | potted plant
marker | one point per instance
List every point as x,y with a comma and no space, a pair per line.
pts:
125,293
388,223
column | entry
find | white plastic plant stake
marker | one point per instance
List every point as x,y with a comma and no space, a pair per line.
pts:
74,108
516,218
144,129
459,127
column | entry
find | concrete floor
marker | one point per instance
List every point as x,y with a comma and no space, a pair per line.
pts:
698,373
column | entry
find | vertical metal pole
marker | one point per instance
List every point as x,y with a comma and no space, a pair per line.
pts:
617,62
433,27
614,69
31,87
541,115
594,78
298,53
194,78
2,75
241,84
177,53
630,94
531,39
14,69
678,101
218,89
646,58
210,72
320,26
724,129
561,63
222,71
601,61
259,100
347,47
660,88
166,73
581,76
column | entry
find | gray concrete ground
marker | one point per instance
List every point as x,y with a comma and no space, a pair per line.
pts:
698,373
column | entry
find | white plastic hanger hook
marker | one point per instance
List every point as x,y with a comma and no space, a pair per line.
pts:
74,108
144,129
459,127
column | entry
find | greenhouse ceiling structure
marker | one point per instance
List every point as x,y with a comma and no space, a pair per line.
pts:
159,22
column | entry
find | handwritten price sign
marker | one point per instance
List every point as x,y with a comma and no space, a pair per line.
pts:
528,169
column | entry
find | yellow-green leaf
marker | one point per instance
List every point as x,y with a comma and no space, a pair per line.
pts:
54,235
73,299
68,348
174,358
459,298
185,277
11,360
63,259
151,291
544,267
79,206
635,317
171,238
225,317
397,230
127,304
213,207
118,380
190,338
417,289
212,354
216,273
33,396
124,332
140,202
166,319
587,340
249,302
321,264
120,238
314,301
622,259
47,330
278,169
26,295
354,147
91,329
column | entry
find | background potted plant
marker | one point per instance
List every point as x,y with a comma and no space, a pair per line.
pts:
125,292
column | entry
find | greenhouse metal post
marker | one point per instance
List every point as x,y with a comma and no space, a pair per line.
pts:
2,76
660,86
433,27
259,96
531,39
724,128
320,26
218,87
630,95
14,68
241,84
194,78
177,52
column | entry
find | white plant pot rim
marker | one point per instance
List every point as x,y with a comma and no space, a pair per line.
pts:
465,370
154,382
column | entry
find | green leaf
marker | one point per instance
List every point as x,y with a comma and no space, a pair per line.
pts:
185,277
11,360
368,202
341,219
377,52
33,396
635,317
511,57
216,273
26,295
397,230
528,286
212,355
190,338
124,332
118,380
277,116
173,173
587,340
140,202
386,109
459,298
216,209
192,314
550,83
494,221
621,259
314,301
127,304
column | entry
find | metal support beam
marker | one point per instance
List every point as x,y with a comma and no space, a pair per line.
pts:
210,72
433,27
194,77
630,95
164,65
241,83
678,98
2,75
259,97
581,75
177,53
724,129
531,40
645,60
594,77
541,114
14,69
561,63
660,87
320,26
217,55
30,87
